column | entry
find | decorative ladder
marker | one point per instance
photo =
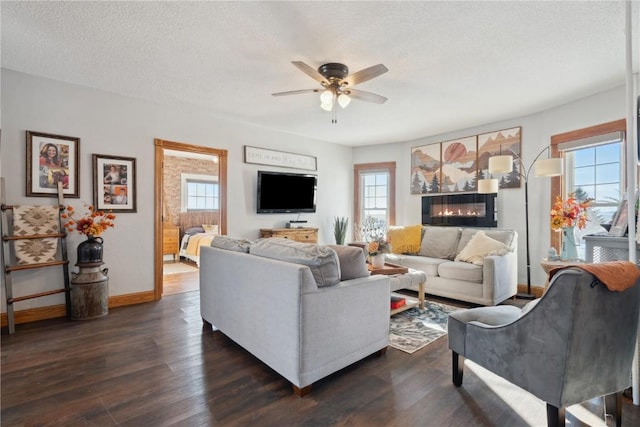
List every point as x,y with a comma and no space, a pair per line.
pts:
6,230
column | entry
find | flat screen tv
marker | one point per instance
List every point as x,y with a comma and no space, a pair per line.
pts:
280,192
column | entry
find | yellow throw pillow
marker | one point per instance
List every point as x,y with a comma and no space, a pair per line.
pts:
480,246
405,240
210,228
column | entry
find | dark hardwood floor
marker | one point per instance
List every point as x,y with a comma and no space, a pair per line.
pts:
154,364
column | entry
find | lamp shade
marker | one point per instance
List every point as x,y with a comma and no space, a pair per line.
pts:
487,186
500,164
343,100
327,106
549,167
326,97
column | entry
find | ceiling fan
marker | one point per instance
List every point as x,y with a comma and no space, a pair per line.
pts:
337,84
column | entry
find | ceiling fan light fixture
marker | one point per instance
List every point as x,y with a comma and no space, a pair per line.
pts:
326,97
344,100
326,106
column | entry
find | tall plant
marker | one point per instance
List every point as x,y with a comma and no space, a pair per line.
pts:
340,229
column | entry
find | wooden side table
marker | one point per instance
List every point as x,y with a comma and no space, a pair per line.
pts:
548,265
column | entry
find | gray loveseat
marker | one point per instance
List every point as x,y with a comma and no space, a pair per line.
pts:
304,310
479,271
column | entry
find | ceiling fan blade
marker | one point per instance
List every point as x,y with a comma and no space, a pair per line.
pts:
366,74
295,92
311,72
366,96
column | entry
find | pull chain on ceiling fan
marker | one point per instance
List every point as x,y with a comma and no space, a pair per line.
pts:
337,85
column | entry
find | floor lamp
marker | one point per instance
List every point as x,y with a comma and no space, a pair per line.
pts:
548,167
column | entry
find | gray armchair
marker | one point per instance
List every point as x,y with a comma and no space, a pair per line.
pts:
573,344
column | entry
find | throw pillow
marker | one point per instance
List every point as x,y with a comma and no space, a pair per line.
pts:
231,244
210,228
440,242
478,247
321,260
405,240
352,262
193,230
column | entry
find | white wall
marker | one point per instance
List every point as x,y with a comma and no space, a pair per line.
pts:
116,125
537,130
121,126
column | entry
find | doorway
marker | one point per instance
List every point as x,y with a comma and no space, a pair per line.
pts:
172,218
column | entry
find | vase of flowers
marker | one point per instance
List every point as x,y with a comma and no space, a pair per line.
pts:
377,248
92,224
566,215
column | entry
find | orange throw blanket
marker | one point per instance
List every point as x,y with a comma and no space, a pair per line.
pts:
616,275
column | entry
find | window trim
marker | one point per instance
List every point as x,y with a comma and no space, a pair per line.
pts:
557,183
360,168
184,180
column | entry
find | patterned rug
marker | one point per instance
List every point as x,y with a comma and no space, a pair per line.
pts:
413,329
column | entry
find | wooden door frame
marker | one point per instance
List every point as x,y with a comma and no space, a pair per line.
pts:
160,146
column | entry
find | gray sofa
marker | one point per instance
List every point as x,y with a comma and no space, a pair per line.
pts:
300,308
486,273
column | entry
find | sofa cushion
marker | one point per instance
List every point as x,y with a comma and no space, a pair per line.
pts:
426,264
405,239
480,246
460,271
352,262
440,242
230,244
504,236
322,260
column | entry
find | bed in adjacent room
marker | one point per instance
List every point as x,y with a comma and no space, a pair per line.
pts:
197,229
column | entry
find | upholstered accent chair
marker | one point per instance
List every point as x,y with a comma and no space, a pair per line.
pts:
574,344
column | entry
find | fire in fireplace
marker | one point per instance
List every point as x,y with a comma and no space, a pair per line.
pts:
470,210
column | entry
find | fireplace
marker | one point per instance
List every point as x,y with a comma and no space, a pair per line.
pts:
468,210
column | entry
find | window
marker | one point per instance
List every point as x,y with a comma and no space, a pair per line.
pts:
596,172
202,195
374,186
594,161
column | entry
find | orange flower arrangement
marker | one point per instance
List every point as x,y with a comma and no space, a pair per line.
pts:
92,224
377,247
569,213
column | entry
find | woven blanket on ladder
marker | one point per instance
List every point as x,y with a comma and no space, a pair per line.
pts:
30,220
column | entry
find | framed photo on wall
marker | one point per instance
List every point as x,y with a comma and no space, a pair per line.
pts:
619,223
52,159
114,183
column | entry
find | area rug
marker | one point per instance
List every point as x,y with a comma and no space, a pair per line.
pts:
177,268
413,329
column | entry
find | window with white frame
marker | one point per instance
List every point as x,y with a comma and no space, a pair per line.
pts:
374,199
200,192
595,169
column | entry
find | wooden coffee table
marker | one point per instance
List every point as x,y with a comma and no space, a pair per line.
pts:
403,277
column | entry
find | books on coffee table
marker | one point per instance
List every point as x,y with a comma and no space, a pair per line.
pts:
397,302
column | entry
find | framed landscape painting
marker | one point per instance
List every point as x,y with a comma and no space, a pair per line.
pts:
114,183
425,169
506,141
52,159
459,171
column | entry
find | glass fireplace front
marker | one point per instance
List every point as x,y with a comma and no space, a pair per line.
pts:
470,210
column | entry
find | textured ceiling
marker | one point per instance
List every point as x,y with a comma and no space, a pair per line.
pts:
452,64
